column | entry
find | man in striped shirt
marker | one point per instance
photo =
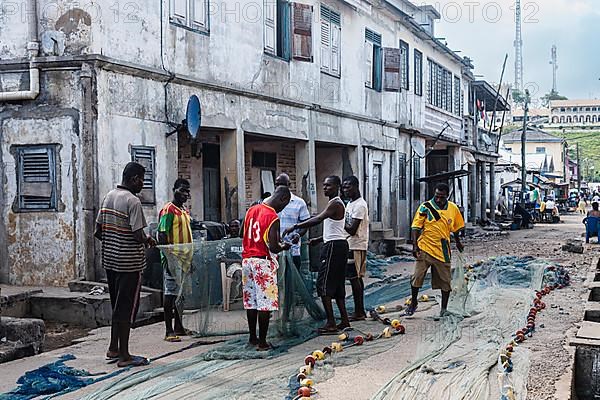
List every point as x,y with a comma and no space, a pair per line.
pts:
174,227
120,226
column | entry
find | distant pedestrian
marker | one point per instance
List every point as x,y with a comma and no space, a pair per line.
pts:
120,226
432,226
581,206
233,229
357,226
174,227
296,211
259,267
331,279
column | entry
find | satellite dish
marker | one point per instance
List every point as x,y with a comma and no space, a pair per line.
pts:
468,157
193,116
486,139
418,147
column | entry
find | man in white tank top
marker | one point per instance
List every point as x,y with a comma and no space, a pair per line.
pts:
334,255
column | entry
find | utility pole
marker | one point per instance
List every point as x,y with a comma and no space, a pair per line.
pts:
523,141
578,169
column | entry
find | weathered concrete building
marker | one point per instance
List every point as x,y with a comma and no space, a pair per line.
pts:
308,88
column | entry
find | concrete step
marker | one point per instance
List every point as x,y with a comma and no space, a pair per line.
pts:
380,234
14,300
79,308
396,241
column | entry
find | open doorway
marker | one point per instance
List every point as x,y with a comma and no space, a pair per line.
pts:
211,172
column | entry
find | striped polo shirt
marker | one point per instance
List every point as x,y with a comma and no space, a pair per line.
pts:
121,215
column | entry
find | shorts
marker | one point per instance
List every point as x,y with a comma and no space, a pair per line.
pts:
441,272
124,290
170,285
356,268
259,284
331,280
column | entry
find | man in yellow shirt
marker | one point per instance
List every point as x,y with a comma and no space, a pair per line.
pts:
434,221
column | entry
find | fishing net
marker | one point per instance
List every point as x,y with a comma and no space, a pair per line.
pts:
461,360
208,274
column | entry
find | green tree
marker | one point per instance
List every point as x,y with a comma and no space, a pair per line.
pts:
553,95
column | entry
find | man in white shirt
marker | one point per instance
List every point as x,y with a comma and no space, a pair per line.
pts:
295,212
357,225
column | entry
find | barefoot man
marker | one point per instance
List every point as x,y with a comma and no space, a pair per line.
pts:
260,241
331,279
434,221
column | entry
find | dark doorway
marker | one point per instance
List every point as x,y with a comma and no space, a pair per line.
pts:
377,178
211,178
437,162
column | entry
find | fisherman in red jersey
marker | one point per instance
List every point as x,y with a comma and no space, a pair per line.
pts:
261,240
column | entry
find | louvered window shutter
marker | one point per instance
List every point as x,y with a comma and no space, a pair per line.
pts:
36,178
145,157
335,49
325,45
369,64
302,32
391,62
270,23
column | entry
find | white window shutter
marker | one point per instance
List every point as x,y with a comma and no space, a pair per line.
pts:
335,49
369,64
325,46
199,13
270,22
179,11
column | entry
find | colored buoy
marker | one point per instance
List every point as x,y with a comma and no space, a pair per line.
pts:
400,329
387,332
318,355
359,340
309,360
424,297
307,382
343,336
395,323
380,309
369,337
304,391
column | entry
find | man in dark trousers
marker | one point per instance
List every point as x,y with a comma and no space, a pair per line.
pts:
260,241
434,222
331,278
357,226
120,226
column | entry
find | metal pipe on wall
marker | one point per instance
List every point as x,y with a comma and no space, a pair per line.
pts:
33,48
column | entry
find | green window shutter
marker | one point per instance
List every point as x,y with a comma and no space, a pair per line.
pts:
377,67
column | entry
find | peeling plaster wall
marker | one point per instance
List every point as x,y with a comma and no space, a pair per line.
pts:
43,248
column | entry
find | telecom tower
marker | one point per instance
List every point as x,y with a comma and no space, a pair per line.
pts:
518,49
554,63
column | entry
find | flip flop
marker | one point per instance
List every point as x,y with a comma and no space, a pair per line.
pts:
327,331
136,361
111,360
172,338
268,348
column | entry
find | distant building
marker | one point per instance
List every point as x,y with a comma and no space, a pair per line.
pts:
575,114
534,115
545,153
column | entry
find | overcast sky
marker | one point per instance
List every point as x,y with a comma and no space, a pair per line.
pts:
485,32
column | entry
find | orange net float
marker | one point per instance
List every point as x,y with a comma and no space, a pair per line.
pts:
300,376
304,391
401,329
369,337
327,350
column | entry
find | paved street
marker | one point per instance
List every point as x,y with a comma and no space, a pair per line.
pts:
366,369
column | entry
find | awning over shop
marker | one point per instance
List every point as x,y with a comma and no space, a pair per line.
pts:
486,93
445,176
